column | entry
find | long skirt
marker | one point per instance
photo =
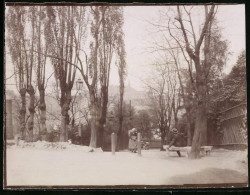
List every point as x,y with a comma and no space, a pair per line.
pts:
132,144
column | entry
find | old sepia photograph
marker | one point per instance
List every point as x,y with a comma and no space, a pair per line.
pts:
125,96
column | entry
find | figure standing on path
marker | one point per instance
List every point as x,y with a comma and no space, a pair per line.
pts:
132,134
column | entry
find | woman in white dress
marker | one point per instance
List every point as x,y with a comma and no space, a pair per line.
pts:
132,145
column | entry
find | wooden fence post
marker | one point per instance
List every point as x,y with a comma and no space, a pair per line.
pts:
113,143
139,144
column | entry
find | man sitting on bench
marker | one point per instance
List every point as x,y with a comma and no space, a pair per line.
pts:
175,139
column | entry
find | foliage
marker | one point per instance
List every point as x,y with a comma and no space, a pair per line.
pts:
82,139
112,124
16,37
227,92
164,98
52,136
218,56
143,123
232,90
21,38
235,83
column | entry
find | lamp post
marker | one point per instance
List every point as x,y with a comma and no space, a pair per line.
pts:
79,84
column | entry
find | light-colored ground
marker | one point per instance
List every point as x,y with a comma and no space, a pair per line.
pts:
39,166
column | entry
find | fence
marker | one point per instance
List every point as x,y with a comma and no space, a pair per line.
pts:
153,144
233,125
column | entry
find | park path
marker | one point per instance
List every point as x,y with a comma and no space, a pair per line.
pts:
41,167
210,176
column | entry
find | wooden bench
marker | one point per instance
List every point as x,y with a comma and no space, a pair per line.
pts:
187,149
206,149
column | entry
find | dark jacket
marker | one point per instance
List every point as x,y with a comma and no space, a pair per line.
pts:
176,139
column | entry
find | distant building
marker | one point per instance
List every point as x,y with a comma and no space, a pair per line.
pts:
138,99
11,122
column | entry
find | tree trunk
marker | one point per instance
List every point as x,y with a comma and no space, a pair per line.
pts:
206,68
203,91
189,136
103,116
93,138
94,112
72,123
201,120
22,113
31,92
119,133
163,137
176,120
65,106
100,134
200,125
204,129
63,133
93,125
42,108
201,117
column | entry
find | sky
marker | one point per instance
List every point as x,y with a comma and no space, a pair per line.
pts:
138,38
231,19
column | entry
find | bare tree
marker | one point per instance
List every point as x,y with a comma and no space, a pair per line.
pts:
41,45
106,30
189,41
89,67
111,41
15,24
29,50
19,21
170,45
162,93
209,51
184,89
59,34
122,74
194,53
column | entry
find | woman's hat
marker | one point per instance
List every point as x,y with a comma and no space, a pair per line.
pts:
174,130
